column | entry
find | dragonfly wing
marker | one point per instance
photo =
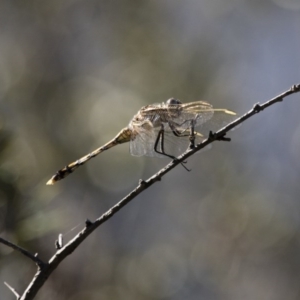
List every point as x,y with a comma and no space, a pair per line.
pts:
219,120
185,119
176,145
207,116
181,115
142,141
200,113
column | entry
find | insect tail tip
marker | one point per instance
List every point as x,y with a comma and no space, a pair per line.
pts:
51,181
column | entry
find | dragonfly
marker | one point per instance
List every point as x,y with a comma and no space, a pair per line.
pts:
159,130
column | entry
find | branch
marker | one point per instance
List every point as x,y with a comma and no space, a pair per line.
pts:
34,258
43,273
13,290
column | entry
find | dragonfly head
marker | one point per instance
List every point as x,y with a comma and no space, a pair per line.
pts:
173,101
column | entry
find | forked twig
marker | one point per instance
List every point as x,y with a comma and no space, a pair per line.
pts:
43,273
13,290
34,258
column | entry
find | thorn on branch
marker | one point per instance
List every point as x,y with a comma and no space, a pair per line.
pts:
57,245
295,88
224,139
59,242
88,223
257,108
192,142
142,182
213,136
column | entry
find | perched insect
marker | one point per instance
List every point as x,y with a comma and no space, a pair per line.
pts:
161,130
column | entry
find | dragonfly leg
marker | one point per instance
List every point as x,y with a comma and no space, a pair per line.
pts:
177,132
191,134
178,124
160,138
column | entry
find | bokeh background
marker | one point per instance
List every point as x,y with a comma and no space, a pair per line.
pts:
73,73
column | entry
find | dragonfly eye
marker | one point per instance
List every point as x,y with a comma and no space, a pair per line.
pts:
173,101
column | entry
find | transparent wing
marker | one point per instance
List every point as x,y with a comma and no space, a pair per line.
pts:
144,143
181,115
218,121
175,145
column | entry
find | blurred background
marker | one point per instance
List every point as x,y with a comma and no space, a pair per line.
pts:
73,73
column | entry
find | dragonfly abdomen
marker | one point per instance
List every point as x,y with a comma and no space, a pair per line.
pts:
122,137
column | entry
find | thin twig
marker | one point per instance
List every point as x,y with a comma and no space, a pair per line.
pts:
35,258
13,290
42,274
